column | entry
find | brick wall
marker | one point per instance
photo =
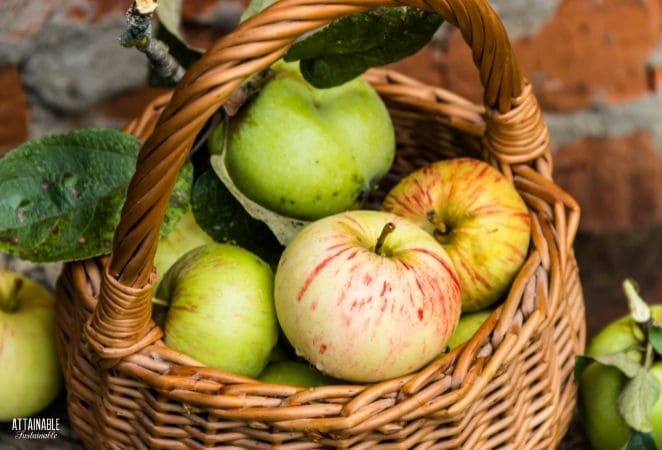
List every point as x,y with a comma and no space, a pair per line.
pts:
596,66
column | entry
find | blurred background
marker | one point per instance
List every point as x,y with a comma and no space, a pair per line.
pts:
595,65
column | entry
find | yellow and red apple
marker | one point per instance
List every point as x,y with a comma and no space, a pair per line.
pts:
477,215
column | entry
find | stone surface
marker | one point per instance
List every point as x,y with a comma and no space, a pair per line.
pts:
20,22
524,17
617,181
608,120
95,10
14,117
83,66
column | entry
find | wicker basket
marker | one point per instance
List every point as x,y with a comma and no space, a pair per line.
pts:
509,387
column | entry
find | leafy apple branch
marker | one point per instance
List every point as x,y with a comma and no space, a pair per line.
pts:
641,389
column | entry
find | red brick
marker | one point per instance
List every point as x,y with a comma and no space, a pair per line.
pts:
94,10
129,104
194,8
424,66
103,8
588,49
27,18
201,37
14,114
655,78
617,181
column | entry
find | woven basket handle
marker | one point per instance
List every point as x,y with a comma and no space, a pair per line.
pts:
123,315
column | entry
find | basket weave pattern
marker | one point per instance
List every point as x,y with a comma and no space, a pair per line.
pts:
510,386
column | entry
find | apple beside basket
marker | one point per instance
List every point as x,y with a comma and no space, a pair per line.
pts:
510,386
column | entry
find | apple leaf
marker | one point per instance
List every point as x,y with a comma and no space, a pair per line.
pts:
630,367
655,337
581,364
640,441
639,309
349,46
637,399
61,195
170,13
223,218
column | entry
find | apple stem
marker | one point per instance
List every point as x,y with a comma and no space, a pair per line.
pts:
440,228
649,355
10,302
388,229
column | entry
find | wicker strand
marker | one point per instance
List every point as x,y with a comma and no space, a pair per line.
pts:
520,135
124,325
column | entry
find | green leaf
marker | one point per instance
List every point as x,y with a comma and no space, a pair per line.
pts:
626,364
170,13
352,44
655,337
639,309
637,399
640,441
254,7
222,217
61,195
581,363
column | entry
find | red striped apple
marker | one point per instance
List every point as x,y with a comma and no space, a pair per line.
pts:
366,295
477,215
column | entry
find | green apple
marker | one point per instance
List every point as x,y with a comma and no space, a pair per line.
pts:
221,308
600,387
477,215
294,374
308,153
366,295
30,376
185,236
467,327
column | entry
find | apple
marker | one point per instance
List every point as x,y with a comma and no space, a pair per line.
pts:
600,386
305,152
221,308
294,373
467,327
30,377
477,215
185,236
366,295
